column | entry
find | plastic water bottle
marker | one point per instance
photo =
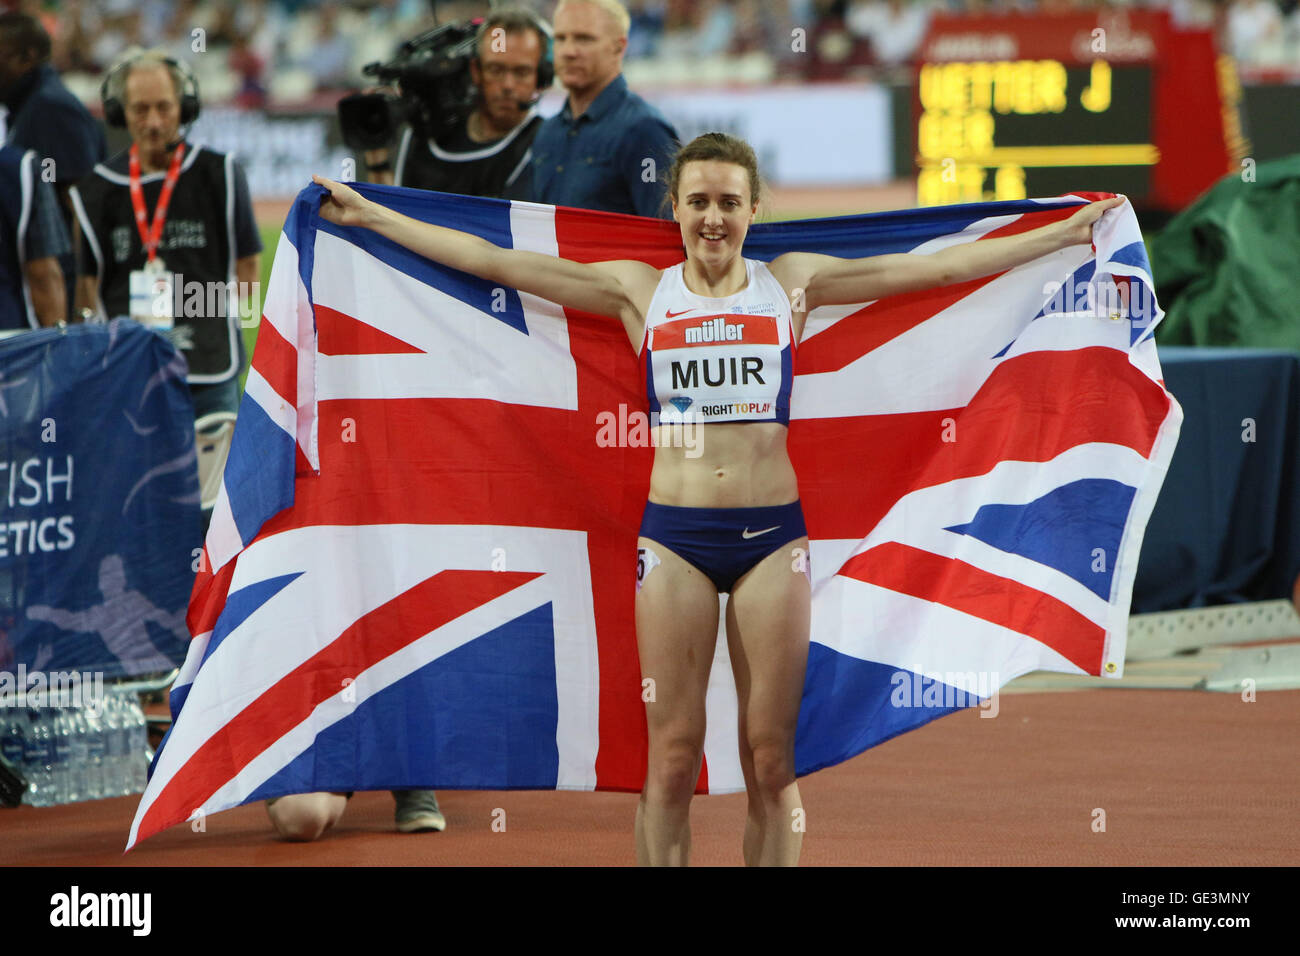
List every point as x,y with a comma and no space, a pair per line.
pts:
50,774
95,754
80,754
118,744
124,736
13,733
39,759
66,788
31,760
112,749
108,731
139,744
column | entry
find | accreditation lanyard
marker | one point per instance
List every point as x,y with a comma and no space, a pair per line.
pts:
150,235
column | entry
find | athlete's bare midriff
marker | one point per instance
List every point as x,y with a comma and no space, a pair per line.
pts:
724,465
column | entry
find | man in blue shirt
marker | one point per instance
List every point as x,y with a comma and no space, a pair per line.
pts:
607,148
45,117
32,238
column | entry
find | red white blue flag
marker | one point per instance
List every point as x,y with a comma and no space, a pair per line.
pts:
421,570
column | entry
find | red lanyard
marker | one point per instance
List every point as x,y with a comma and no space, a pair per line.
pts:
151,235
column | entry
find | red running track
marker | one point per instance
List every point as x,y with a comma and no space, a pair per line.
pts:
1186,778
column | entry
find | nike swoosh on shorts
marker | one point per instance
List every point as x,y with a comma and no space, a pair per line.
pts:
747,534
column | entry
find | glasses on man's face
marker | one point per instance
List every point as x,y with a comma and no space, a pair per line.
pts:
499,71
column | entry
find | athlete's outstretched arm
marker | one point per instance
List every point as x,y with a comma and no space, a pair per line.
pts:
591,287
829,280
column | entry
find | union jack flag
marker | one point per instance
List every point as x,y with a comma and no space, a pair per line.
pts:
421,569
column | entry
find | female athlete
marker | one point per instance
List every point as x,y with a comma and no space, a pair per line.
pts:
716,334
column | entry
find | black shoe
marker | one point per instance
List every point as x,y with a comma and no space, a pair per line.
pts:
417,812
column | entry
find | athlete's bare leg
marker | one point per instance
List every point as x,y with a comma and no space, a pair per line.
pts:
677,630
768,619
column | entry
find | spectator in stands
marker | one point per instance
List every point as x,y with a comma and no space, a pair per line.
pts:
894,28
833,52
45,117
121,30
32,237
645,28
717,26
785,17
222,28
330,58
1192,13
681,24
1255,31
261,26
485,154
177,36
752,30
607,148
403,17
204,234
244,61
1293,30
70,50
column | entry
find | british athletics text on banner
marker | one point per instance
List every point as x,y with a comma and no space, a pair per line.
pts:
99,502
421,568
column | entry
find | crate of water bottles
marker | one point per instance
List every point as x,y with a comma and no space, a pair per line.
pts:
70,749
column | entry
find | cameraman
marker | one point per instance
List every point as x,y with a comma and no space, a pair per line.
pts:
486,154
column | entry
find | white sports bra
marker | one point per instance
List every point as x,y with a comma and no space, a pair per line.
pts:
719,359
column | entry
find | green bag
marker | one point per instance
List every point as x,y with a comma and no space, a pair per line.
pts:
1227,268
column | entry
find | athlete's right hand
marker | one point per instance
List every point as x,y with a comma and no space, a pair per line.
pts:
342,205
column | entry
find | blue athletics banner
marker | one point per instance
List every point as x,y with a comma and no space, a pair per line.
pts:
99,504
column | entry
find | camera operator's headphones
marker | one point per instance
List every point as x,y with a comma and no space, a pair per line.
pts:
546,65
112,90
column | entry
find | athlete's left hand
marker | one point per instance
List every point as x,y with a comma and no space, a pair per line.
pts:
1077,230
343,205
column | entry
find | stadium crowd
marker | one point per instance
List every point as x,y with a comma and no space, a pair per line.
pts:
282,51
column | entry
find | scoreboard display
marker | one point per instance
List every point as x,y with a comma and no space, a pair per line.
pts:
1013,129
1011,107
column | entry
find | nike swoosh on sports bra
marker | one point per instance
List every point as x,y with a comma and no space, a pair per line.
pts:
728,359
